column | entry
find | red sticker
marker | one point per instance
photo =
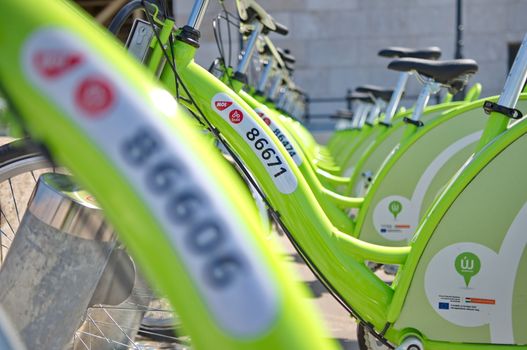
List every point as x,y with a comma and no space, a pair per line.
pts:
94,96
265,119
222,105
53,63
236,116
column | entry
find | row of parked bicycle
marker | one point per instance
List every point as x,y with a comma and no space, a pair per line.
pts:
433,194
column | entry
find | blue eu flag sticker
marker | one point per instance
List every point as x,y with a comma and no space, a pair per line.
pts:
444,306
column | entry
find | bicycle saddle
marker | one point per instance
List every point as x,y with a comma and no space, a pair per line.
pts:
299,91
431,53
377,91
360,96
286,55
343,114
249,10
444,72
289,66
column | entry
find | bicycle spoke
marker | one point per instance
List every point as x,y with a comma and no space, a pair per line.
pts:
4,234
33,175
102,336
14,199
2,213
76,337
118,326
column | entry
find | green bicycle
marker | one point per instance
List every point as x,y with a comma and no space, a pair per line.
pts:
336,257
146,166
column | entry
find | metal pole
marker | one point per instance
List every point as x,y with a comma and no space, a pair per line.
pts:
307,109
459,41
459,29
348,99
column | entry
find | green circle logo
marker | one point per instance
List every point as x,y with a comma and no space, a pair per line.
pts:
467,265
395,207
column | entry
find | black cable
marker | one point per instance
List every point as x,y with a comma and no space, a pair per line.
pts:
229,37
216,25
217,38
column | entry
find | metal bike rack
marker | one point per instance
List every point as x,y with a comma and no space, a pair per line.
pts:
61,261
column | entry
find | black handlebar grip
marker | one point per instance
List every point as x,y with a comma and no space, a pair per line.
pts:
281,29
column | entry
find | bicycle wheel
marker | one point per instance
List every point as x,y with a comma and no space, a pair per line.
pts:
104,327
367,341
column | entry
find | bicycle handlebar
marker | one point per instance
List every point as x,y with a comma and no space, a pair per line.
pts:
248,10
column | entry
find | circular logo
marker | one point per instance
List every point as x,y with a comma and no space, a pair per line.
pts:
236,116
94,96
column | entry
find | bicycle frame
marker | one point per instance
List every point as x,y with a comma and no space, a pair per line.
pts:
341,258
135,142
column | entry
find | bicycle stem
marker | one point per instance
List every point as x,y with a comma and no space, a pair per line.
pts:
243,65
265,75
197,13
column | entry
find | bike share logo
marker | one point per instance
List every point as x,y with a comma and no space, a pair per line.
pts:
236,116
467,265
53,63
265,119
222,105
395,207
92,95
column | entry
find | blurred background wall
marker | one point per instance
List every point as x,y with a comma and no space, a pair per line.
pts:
336,42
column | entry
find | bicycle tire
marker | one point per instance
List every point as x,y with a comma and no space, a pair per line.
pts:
367,341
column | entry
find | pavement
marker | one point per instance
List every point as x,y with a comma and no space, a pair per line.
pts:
338,321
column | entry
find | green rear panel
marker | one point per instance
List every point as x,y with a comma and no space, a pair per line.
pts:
413,175
375,155
471,283
367,140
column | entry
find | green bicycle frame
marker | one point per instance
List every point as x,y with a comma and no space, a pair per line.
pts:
101,115
336,256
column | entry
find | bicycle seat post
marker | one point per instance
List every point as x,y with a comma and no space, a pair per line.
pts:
515,79
368,107
374,112
430,87
498,123
396,97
